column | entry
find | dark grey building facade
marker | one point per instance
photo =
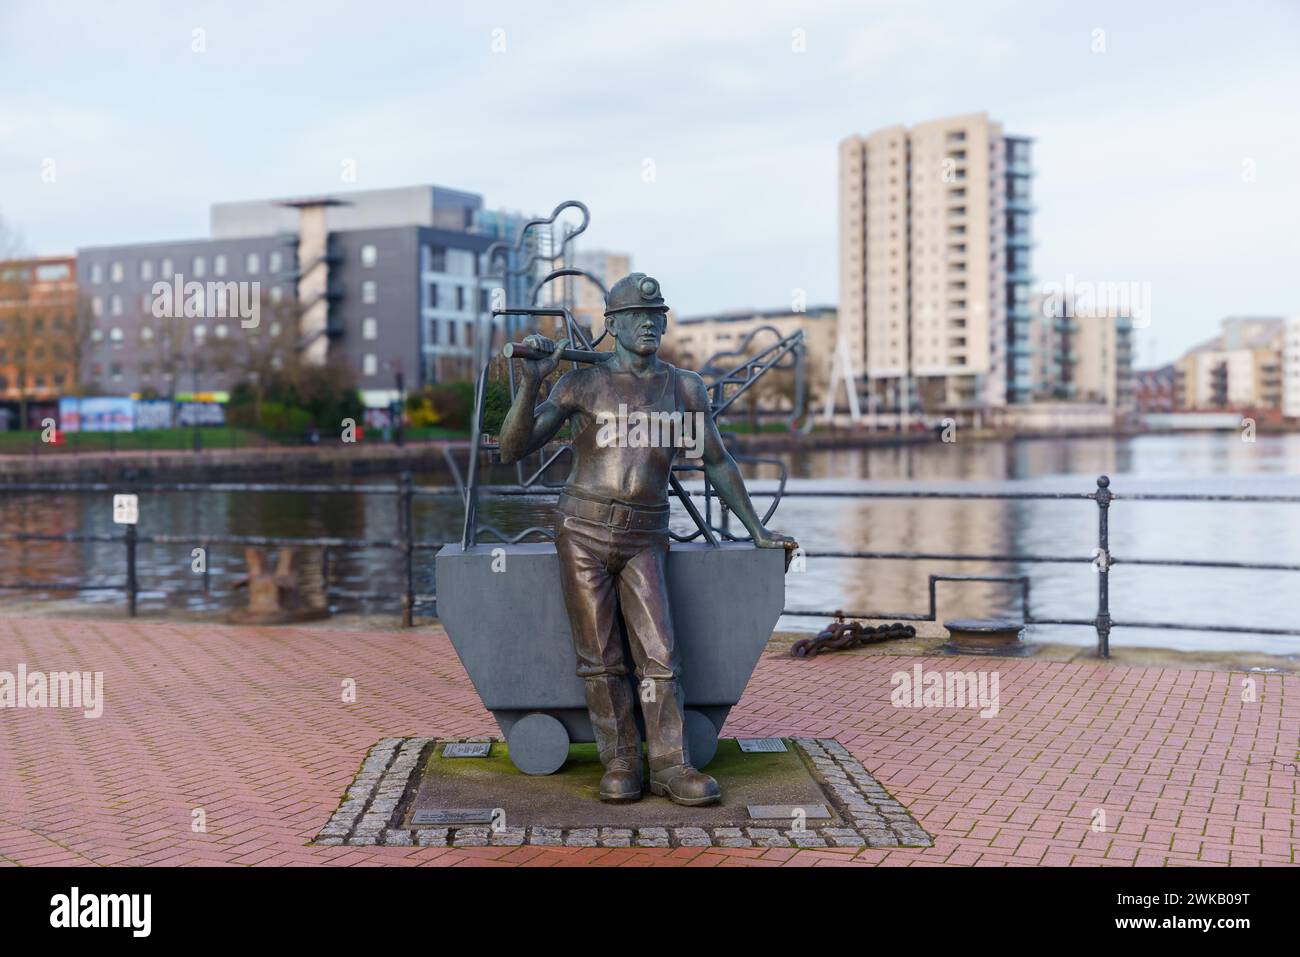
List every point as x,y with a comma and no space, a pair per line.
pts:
397,275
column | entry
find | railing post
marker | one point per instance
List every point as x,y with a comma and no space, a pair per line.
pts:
131,585
408,550
1103,566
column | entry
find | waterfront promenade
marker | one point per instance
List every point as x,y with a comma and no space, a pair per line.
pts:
249,726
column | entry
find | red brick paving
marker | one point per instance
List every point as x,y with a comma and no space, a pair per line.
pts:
249,725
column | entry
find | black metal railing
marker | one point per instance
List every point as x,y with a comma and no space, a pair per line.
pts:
405,492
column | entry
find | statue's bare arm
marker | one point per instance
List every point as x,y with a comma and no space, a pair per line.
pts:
528,426
721,470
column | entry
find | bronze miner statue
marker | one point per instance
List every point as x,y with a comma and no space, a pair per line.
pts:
630,415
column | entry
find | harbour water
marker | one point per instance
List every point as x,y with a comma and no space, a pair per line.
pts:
1210,464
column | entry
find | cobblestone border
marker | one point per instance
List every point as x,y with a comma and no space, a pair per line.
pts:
376,799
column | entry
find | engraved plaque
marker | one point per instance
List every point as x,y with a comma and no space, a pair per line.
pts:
454,815
473,749
760,745
786,812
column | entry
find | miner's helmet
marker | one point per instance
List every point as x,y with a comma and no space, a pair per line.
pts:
635,292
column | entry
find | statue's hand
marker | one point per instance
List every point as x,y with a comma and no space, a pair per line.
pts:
539,369
766,539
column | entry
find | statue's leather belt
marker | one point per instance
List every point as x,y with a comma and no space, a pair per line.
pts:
615,514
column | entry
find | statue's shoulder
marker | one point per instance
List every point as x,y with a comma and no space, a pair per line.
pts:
691,391
686,378
577,385
581,376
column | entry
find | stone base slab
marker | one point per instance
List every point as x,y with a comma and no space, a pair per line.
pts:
377,810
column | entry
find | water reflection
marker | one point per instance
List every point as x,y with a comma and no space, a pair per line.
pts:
1210,464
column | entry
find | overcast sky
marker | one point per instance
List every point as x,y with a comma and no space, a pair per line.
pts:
1173,157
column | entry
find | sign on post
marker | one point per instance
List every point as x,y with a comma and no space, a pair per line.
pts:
126,509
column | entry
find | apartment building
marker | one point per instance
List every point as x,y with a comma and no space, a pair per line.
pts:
39,323
935,240
582,297
387,282
1291,369
1241,368
694,340
1082,354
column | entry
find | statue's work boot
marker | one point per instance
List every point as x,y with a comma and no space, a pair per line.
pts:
622,781
609,703
685,785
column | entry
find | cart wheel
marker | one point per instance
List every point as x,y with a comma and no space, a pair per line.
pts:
538,744
701,738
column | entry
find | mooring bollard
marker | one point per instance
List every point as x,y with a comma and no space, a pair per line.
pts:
986,636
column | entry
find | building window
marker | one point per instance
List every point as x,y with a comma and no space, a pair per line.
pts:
116,272
200,268
369,364
96,273
276,295
219,265
96,335
274,330
115,305
200,332
274,261
146,334
369,255
369,328
460,262
97,306
146,269
460,298
433,258
116,334
165,269
369,292
253,263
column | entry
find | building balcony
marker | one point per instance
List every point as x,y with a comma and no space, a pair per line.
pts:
1020,205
